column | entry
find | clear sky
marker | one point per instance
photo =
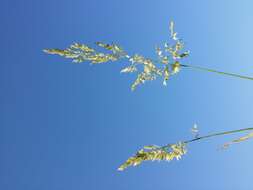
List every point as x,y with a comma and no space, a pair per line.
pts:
66,126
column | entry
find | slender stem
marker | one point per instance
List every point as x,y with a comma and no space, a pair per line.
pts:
218,134
215,71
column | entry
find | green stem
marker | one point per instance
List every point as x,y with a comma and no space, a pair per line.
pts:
218,134
215,71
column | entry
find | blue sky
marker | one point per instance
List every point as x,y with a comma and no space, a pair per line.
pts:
67,126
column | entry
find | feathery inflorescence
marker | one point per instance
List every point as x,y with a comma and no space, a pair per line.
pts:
166,64
155,153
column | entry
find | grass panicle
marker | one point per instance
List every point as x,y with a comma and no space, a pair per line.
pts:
177,150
